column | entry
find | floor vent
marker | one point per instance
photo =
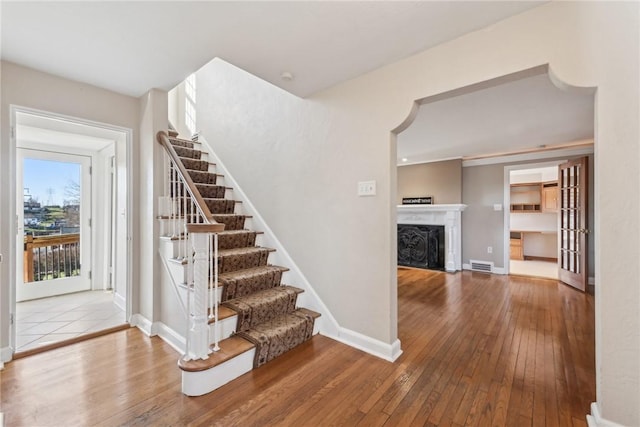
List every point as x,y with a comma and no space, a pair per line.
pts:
482,266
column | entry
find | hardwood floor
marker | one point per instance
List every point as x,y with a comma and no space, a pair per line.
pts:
478,350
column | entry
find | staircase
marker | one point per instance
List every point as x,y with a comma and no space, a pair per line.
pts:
257,316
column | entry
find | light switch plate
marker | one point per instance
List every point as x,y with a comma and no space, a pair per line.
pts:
366,188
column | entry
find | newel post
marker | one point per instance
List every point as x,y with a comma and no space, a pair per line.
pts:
199,322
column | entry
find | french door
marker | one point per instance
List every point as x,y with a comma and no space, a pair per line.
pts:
572,256
54,220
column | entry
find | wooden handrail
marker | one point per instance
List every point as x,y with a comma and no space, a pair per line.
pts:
163,139
50,240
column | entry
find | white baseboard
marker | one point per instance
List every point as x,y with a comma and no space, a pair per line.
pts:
6,354
367,344
159,329
144,324
171,337
595,420
120,301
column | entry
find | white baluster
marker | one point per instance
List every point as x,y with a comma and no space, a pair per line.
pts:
174,197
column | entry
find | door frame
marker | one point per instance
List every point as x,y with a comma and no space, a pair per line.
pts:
507,193
123,138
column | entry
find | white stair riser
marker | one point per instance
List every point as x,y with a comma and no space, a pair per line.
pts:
171,249
227,328
203,382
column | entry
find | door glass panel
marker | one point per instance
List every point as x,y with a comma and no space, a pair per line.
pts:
571,261
52,195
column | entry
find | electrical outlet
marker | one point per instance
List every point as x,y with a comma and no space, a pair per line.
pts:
366,188
489,249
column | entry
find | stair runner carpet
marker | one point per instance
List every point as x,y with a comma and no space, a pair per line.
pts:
267,313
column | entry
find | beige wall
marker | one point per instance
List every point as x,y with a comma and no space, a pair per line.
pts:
482,226
299,161
442,180
28,88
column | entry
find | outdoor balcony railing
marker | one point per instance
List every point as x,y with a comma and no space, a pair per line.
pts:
51,257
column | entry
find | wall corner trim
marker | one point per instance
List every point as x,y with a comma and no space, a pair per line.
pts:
389,352
595,420
144,324
6,354
168,335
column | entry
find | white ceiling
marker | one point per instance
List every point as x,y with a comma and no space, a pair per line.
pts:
130,47
519,115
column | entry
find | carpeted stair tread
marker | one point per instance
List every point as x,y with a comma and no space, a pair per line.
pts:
279,335
231,222
244,282
242,258
221,206
202,177
193,164
230,239
244,250
187,153
211,191
178,142
263,306
229,348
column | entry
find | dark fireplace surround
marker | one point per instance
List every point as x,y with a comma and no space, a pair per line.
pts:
421,246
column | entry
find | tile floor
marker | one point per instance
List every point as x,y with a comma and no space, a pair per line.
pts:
47,320
544,269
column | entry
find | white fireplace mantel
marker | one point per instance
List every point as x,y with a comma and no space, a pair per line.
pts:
448,215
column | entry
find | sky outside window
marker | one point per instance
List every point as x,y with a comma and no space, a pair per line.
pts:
48,181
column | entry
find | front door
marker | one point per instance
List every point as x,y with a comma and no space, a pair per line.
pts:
53,211
572,256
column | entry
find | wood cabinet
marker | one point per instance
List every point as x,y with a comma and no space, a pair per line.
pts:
534,197
550,196
515,246
526,198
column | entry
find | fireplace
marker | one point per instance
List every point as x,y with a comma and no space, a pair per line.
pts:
421,246
448,216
